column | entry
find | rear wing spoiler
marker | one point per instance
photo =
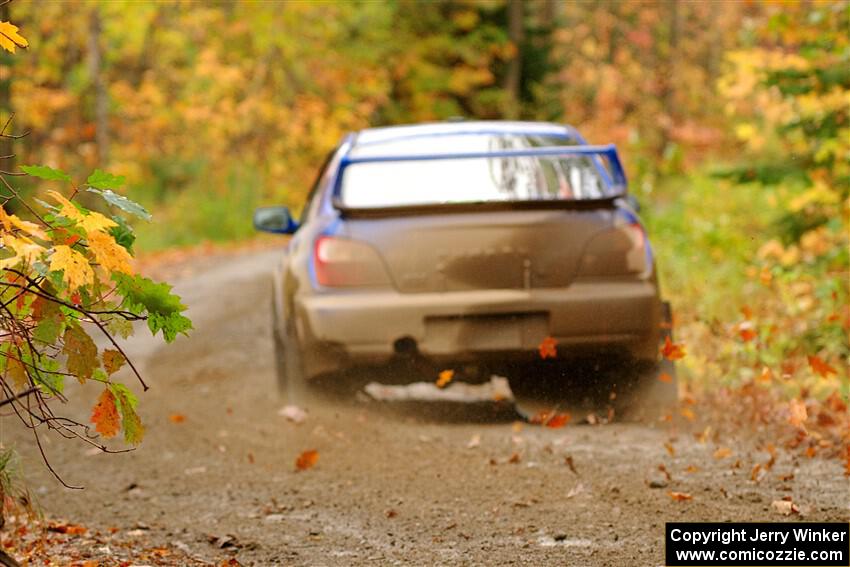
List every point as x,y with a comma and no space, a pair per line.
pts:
614,176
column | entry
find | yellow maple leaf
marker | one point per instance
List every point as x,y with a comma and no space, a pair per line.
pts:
10,38
26,251
12,221
66,207
109,254
75,266
90,222
93,222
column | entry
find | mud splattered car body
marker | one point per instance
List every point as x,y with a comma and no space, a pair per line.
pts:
463,242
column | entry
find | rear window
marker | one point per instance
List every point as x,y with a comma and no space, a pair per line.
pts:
453,180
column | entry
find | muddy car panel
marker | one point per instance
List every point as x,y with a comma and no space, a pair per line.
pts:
465,281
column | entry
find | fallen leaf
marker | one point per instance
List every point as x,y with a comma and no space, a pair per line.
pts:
548,348
671,350
70,529
293,413
688,414
785,507
474,441
747,312
445,377
679,496
664,470
766,375
514,459
797,413
177,418
664,377
722,453
820,367
691,469
568,460
670,449
558,420
306,460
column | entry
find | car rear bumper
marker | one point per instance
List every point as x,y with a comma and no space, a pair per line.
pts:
345,328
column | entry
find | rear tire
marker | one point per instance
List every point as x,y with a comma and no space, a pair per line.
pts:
290,374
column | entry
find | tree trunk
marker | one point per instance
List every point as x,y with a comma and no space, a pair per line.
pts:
6,163
513,78
101,97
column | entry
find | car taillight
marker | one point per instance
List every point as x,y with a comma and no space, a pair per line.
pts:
620,250
340,262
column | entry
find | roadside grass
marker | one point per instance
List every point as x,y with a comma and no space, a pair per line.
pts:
764,323
211,208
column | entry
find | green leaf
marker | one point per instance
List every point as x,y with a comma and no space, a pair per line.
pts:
123,234
45,172
50,325
121,201
104,180
130,422
163,308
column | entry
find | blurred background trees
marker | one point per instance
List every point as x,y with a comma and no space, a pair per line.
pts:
732,118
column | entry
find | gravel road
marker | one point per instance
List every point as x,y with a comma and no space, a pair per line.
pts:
389,487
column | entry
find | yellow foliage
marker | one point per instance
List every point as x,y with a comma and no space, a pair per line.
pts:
66,207
108,253
94,222
26,251
12,221
77,271
90,222
10,38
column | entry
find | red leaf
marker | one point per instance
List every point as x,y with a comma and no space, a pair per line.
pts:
671,350
306,460
558,420
820,367
105,415
548,348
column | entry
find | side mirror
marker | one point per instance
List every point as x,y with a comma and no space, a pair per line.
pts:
277,220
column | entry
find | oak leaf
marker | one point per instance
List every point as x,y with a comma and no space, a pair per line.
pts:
105,415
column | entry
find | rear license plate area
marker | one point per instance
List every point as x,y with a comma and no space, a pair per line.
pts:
514,331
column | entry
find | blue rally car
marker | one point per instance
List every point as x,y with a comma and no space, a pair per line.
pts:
466,243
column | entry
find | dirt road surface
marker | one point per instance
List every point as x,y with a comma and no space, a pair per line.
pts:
389,488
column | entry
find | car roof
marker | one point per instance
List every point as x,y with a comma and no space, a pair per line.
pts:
390,133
